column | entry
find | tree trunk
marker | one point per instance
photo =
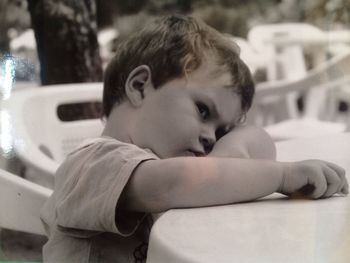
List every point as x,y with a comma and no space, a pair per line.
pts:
65,33
4,40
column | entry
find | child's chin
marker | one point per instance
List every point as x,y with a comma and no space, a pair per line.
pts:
189,154
193,154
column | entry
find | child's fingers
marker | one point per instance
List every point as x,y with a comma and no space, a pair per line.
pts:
344,186
334,182
320,184
340,170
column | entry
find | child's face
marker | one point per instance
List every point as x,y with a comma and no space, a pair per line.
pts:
186,116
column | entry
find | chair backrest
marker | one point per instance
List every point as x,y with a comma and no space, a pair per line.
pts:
287,43
40,137
331,74
250,56
339,41
20,203
262,39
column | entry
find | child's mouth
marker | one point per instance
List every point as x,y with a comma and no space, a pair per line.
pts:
197,154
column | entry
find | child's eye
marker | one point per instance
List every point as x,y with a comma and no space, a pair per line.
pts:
203,110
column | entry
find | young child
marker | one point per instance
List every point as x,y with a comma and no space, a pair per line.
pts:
175,97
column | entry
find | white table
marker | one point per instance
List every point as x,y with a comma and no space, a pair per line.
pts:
271,230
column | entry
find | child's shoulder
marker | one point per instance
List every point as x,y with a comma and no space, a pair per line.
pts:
93,143
103,146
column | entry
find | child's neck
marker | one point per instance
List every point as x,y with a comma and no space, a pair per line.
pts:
118,124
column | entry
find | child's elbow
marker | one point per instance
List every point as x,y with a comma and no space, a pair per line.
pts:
263,147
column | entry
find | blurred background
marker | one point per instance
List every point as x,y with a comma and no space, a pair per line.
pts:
108,20
47,42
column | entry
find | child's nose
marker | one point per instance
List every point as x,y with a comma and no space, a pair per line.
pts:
207,143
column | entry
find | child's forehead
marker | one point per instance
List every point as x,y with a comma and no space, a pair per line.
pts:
211,73
218,70
210,62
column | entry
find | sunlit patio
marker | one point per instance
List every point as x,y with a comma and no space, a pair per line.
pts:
301,68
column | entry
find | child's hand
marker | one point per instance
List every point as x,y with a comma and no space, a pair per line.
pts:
314,179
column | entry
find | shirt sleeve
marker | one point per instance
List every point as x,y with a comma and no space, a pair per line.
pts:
87,199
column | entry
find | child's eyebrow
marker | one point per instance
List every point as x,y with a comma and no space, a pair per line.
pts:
214,110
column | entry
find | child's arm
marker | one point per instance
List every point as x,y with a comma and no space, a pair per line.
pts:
159,185
245,142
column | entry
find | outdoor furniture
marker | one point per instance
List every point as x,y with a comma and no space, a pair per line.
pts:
339,43
297,47
41,140
331,74
341,94
299,37
273,229
20,203
287,62
255,60
288,43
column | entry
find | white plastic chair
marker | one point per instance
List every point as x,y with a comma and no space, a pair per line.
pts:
20,203
286,44
329,75
250,56
339,43
270,39
40,139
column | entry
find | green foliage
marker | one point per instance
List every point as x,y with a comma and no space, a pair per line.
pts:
225,20
130,6
13,15
237,16
327,14
168,6
132,23
239,3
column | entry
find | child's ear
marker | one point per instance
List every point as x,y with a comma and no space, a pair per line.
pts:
138,83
